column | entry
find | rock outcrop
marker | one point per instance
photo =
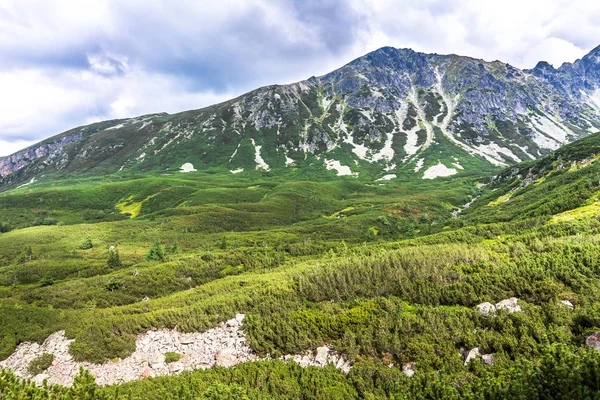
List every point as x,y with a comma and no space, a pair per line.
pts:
510,305
223,346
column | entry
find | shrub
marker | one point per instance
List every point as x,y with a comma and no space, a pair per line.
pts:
113,284
47,280
86,244
171,356
40,364
114,261
156,253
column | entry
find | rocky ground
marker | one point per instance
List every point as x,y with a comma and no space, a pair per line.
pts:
224,346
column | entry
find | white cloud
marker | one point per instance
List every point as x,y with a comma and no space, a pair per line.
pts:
8,147
64,63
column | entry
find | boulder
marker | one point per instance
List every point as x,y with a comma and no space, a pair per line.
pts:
232,322
156,361
175,367
488,359
593,340
486,308
321,355
568,304
509,305
474,353
226,357
39,379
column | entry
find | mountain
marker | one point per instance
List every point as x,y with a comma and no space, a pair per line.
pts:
393,112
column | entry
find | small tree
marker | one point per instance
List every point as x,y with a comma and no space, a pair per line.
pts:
114,261
156,253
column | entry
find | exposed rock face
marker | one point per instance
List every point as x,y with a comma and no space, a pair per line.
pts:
223,346
385,108
488,359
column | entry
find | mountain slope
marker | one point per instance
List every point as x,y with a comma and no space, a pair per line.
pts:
392,112
563,185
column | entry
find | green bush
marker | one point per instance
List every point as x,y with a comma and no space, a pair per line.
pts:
86,244
156,253
171,356
40,364
114,260
47,280
113,284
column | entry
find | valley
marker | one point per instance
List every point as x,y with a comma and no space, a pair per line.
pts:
407,226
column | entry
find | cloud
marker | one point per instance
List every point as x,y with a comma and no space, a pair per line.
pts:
67,62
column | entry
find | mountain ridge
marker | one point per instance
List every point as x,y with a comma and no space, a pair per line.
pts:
391,112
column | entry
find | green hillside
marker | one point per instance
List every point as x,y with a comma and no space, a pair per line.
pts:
379,270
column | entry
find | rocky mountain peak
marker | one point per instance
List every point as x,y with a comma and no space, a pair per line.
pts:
393,112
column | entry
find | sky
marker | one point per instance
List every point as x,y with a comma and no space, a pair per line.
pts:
66,63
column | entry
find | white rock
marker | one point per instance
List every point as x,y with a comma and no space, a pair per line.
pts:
474,353
486,308
39,379
408,369
240,318
232,322
346,367
488,359
321,356
226,357
509,305
156,361
567,303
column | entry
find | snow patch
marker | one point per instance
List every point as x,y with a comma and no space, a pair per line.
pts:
387,177
235,152
187,167
288,161
544,142
438,170
553,129
260,163
28,183
236,171
387,152
419,164
115,127
342,170
493,151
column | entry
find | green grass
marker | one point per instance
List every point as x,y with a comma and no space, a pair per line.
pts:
384,274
